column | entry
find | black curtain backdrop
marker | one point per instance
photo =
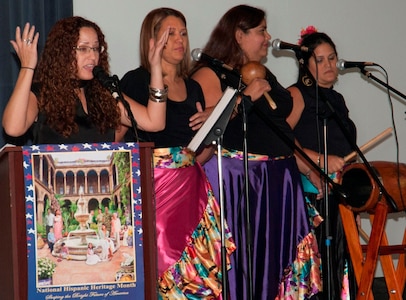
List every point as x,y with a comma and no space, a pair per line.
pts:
41,13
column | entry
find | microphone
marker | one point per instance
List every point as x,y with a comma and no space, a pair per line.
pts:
342,64
277,44
109,82
197,55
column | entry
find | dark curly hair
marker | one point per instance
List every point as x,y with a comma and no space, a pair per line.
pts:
56,77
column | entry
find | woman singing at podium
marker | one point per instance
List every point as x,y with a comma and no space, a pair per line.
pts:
60,100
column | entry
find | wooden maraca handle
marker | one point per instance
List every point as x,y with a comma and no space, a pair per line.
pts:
252,70
272,103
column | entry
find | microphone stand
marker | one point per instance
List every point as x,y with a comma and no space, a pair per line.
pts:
369,75
224,290
118,95
328,238
215,137
327,225
250,287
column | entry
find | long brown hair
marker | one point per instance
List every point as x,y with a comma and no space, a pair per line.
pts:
149,30
57,80
222,43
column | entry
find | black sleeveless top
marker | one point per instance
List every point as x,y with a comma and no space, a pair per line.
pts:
309,129
88,132
177,132
261,137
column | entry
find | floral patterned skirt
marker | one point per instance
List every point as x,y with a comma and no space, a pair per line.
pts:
188,228
285,257
343,284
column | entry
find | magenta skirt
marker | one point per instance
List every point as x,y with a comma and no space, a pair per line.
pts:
187,227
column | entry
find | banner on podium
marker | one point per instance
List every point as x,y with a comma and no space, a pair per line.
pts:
83,216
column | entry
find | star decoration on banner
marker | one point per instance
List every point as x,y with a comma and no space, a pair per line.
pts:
34,148
29,198
87,146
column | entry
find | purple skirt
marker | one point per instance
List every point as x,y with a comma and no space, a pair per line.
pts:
278,220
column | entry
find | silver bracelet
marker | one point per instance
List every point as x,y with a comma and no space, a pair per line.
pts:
158,95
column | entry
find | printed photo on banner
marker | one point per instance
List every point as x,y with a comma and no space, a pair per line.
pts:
84,221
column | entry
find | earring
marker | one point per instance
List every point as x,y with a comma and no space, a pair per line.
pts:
306,80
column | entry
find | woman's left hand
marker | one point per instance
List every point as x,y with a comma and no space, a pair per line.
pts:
315,179
197,120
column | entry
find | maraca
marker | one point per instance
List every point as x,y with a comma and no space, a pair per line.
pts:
252,70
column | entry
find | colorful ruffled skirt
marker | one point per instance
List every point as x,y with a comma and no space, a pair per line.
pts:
188,228
285,258
343,284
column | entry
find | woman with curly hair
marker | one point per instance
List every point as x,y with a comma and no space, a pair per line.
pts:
61,101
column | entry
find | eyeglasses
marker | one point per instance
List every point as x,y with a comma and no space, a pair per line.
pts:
87,49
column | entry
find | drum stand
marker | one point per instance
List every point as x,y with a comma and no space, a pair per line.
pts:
365,265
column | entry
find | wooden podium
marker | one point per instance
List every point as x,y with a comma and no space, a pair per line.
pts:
13,253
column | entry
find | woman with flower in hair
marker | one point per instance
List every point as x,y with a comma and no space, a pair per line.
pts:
59,98
317,74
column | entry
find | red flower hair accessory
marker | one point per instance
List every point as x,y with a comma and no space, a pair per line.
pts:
306,31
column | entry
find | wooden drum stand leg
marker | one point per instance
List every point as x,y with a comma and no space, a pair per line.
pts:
364,267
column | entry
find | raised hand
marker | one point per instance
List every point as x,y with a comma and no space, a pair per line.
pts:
25,45
156,47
